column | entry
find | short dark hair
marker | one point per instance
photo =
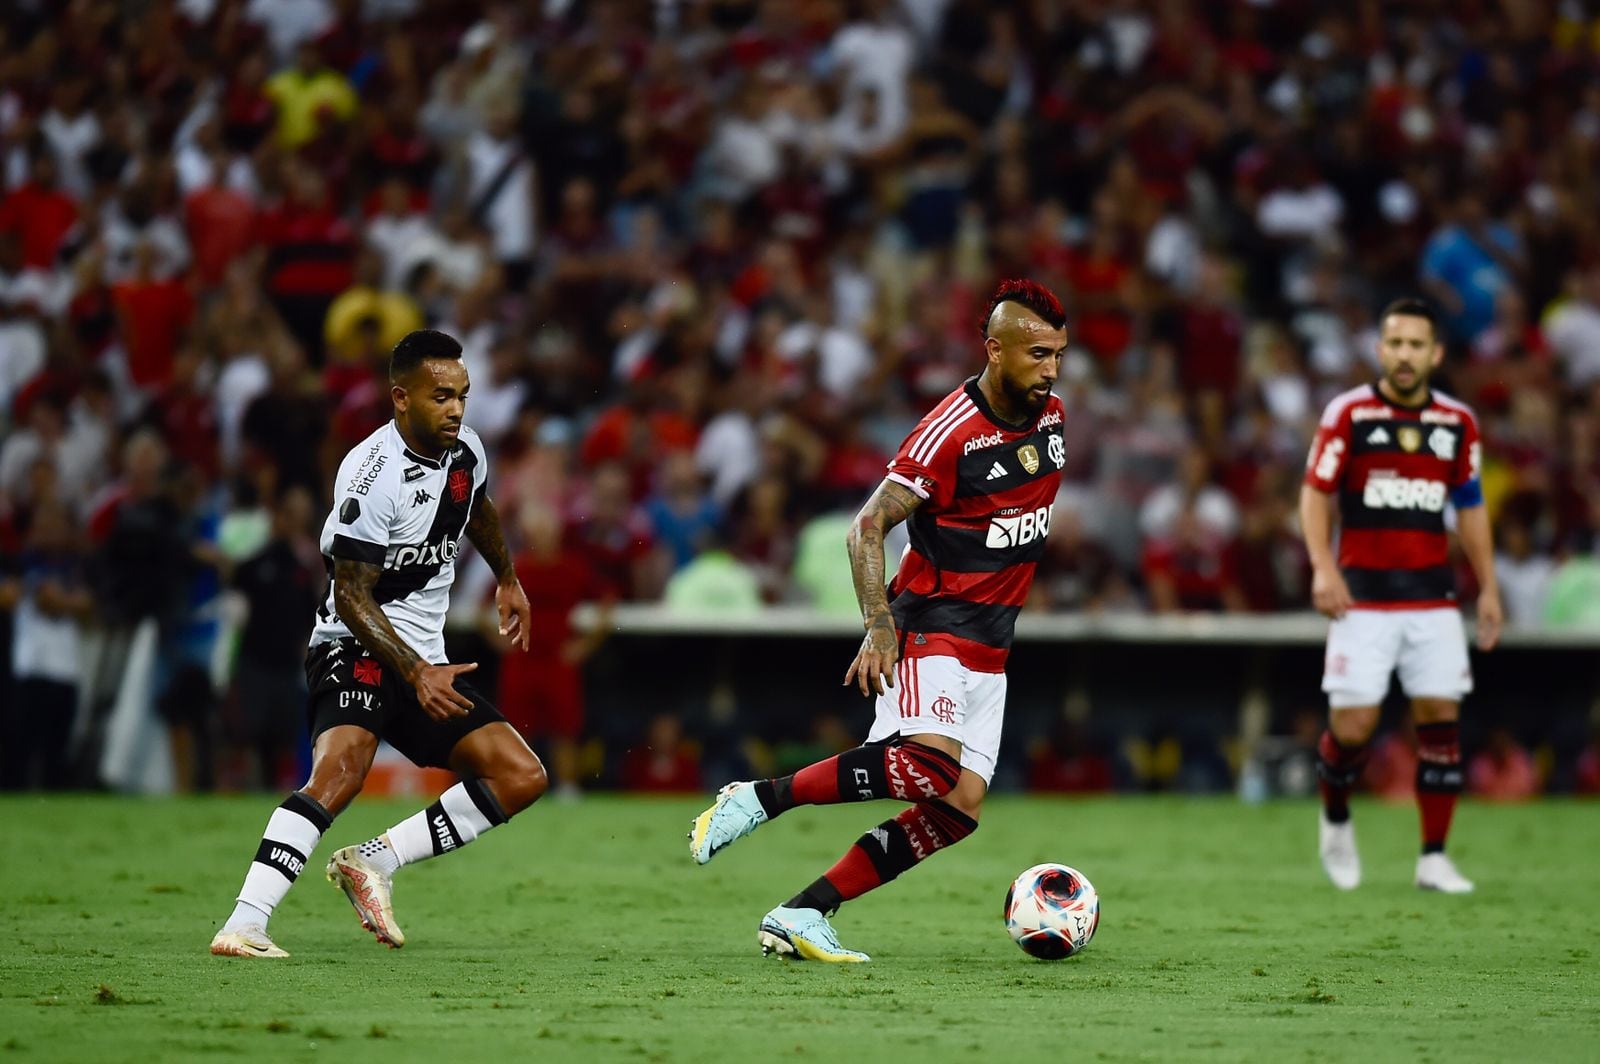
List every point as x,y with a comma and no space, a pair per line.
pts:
1031,294
1412,307
417,347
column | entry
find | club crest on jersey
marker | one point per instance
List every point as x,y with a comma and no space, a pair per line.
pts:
1058,450
1028,455
460,483
1442,442
1410,438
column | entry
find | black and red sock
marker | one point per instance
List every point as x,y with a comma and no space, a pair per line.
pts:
886,851
1438,780
1338,771
908,771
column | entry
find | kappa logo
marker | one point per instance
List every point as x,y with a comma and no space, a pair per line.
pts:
368,672
1378,435
421,497
996,471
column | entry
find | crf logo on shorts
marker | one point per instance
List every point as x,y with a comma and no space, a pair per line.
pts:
1403,493
1016,531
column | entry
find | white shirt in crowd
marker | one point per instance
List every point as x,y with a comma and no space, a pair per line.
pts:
509,217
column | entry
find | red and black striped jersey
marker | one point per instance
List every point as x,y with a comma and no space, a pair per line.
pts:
987,489
1393,468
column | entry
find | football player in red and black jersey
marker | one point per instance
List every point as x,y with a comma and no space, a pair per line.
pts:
975,480
1388,458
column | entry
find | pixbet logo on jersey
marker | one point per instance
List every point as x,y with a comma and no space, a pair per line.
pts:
1403,493
978,442
424,554
1016,531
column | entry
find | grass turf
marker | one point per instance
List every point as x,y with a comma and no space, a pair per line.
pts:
584,932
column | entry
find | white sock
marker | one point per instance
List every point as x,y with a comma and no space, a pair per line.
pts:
292,833
459,815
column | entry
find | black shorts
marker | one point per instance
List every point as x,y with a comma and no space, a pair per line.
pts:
349,686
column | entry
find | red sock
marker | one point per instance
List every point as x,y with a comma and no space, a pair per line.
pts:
886,851
907,771
1438,780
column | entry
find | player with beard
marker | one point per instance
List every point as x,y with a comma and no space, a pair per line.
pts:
976,480
1389,456
403,499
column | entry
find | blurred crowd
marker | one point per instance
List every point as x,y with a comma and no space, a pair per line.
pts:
711,259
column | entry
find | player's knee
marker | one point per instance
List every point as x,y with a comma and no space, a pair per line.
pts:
1353,727
1435,710
522,785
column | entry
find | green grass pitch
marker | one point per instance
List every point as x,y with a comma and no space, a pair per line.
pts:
584,932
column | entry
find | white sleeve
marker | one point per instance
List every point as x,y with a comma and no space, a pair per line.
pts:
480,471
363,514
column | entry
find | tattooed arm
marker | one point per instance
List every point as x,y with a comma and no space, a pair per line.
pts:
873,667
483,529
353,582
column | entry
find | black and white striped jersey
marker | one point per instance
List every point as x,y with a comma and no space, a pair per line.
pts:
395,508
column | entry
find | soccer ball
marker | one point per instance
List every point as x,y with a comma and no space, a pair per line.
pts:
1052,911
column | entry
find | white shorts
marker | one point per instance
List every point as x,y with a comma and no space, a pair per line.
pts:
941,696
1428,647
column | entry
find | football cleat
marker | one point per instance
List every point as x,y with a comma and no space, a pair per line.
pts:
804,934
1435,871
250,941
736,813
1337,845
370,893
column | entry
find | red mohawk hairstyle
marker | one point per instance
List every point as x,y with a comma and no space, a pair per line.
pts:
1031,294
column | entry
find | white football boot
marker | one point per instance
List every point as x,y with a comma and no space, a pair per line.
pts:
1337,845
252,941
370,892
1435,871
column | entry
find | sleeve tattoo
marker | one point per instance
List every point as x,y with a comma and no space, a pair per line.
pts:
483,529
353,602
889,505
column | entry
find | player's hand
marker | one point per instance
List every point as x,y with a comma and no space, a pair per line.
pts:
1490,619
436,690
873,669
1329,593
516,617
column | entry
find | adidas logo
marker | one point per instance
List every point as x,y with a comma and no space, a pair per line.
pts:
883,838
996,472
1378,435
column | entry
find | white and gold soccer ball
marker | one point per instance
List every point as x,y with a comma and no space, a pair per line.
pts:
1052,911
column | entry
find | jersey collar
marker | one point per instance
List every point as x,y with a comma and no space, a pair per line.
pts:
975,393
413,456
1427,400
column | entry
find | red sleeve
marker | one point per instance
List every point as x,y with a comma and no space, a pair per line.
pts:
1329,450
1469,463
926,460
